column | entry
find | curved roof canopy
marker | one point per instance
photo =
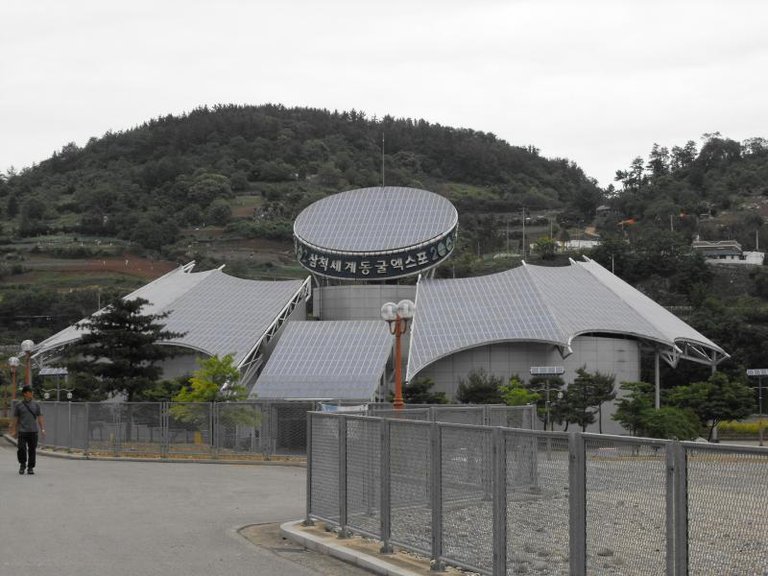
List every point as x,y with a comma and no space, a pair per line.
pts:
544,304
333,360
375,233
375,219
218,313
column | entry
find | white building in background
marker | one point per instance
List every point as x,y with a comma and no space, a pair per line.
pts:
579,244
727,252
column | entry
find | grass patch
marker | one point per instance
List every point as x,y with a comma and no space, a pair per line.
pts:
742,430
244,206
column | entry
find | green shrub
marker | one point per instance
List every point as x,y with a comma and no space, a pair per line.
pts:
480,388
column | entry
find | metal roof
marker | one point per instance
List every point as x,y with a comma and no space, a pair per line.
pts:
342,360
375,219
543,304
218,313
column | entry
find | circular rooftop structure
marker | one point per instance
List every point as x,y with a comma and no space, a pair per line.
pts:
375,233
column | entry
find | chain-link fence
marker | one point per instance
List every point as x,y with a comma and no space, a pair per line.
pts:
727,510
178,429
224,429
497,500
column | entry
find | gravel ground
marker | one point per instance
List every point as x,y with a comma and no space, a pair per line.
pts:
626,516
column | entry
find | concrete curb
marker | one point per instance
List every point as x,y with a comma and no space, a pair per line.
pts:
296,532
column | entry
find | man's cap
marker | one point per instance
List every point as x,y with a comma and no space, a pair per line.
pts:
26,389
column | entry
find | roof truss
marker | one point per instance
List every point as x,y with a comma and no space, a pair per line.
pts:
254,360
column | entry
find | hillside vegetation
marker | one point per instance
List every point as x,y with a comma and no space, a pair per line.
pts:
146,184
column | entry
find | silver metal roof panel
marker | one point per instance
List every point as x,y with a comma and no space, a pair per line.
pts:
218,313
539,304
375,219
321,360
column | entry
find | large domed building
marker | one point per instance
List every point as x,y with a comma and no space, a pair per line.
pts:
323,338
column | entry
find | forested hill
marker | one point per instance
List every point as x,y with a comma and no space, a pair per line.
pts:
146,183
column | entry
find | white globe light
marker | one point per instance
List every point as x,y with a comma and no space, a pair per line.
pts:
27,346
389,311
13,361
406,309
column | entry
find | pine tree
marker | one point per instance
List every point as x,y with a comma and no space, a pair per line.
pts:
121,349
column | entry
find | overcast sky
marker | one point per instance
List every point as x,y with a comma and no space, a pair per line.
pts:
597,82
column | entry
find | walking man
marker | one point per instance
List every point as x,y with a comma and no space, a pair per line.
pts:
27,421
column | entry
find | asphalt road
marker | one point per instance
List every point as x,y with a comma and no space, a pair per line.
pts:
107,518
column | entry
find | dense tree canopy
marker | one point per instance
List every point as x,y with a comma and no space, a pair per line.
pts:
154,175
419,391
716,399
479,387
636,412
216,380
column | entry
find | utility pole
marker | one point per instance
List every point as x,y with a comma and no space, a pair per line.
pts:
382,159
523,232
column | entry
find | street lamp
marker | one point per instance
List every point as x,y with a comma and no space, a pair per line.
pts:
547,371
14,363
47,371
397,316
47,393
26,347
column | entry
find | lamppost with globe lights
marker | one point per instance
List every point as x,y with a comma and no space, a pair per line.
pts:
48,371
546,371
47,393
397,316
13,362
27,347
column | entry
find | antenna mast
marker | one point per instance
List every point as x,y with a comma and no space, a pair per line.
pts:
382,159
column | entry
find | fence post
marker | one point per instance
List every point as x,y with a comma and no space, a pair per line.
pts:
214,440
87,443
671,478
385,489
499,502
436,460
308,519
212,428
165,432
116,426
681,510
271,431
262,429
343,533
577,496
69,426
532,417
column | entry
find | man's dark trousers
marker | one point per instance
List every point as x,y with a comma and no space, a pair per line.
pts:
27,449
